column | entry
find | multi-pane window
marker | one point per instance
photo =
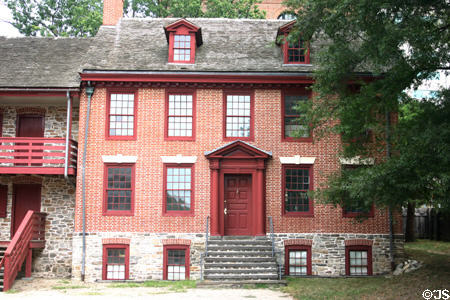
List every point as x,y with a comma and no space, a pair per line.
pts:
298,262
296,186
355,209
176,264
182,47
292,125
358,260
119,189
115,262
121,115
297,52
238,116
178,189
180,116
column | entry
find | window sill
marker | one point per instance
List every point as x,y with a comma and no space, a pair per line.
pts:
119,213
297,215
297,64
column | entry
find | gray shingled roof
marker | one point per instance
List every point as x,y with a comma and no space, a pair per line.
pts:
41,62
230,45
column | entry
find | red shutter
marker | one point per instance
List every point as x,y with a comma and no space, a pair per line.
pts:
3,200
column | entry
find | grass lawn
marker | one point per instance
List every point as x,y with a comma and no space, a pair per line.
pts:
435,274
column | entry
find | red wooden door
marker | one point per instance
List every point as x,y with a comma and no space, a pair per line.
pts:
238,198
26,197
30,126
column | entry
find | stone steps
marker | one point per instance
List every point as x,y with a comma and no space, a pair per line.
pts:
240,260
2,270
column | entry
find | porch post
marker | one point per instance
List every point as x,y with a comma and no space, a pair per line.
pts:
28,263
259,207
214,165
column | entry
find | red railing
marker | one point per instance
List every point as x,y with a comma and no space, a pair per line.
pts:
36,155
31,229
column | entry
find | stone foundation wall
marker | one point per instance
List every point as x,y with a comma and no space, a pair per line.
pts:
146,253
328,251
58,201
55,121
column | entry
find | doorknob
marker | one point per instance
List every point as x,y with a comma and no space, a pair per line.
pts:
225,211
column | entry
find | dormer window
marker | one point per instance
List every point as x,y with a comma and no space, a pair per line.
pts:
294,52
183,38
182,48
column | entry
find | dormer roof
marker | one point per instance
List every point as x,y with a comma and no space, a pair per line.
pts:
191,27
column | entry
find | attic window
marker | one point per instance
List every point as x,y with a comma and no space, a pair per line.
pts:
294,52
183,38
182,48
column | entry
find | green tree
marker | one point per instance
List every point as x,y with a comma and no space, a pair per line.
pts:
401,43
84,17
56,17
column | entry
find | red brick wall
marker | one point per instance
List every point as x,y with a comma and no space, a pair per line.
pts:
112,11
273,8
150,145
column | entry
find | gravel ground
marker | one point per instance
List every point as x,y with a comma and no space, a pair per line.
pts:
38,289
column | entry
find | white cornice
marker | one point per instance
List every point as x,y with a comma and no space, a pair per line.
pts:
179,159
297,160
357,160
119,159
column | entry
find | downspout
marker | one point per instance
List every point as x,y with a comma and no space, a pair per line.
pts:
68,121
391,219
89,93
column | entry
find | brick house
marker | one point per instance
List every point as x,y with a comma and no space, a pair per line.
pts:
188,166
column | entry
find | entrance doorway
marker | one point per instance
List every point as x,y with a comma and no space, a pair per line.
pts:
26,197
30,126
237,203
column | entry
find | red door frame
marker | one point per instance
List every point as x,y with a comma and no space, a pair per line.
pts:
238,158
13,206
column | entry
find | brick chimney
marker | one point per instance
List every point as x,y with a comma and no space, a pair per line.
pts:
112,11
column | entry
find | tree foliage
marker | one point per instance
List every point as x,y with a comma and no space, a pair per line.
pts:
56,17
401,43
84,17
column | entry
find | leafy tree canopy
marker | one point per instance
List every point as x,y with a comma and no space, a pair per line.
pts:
84,17
402,43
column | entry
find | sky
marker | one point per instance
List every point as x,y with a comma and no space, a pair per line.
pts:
6,29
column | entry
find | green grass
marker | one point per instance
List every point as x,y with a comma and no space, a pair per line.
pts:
12,291
430,246
67,287
435,274
175,286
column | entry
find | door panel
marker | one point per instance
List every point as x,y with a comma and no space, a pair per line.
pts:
30,126
26,197
237,201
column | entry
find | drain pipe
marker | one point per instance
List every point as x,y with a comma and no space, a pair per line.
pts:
390,208
68,120
89,93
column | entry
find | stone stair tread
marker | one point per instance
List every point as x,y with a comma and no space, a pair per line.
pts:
242,248
240,265
240,253
242,276
239,271
207,283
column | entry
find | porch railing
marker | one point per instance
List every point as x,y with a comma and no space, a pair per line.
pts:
36,152
31,229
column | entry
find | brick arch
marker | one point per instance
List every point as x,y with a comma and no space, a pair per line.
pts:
122,241
298,242
176,242
359,242
40,111
27,180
